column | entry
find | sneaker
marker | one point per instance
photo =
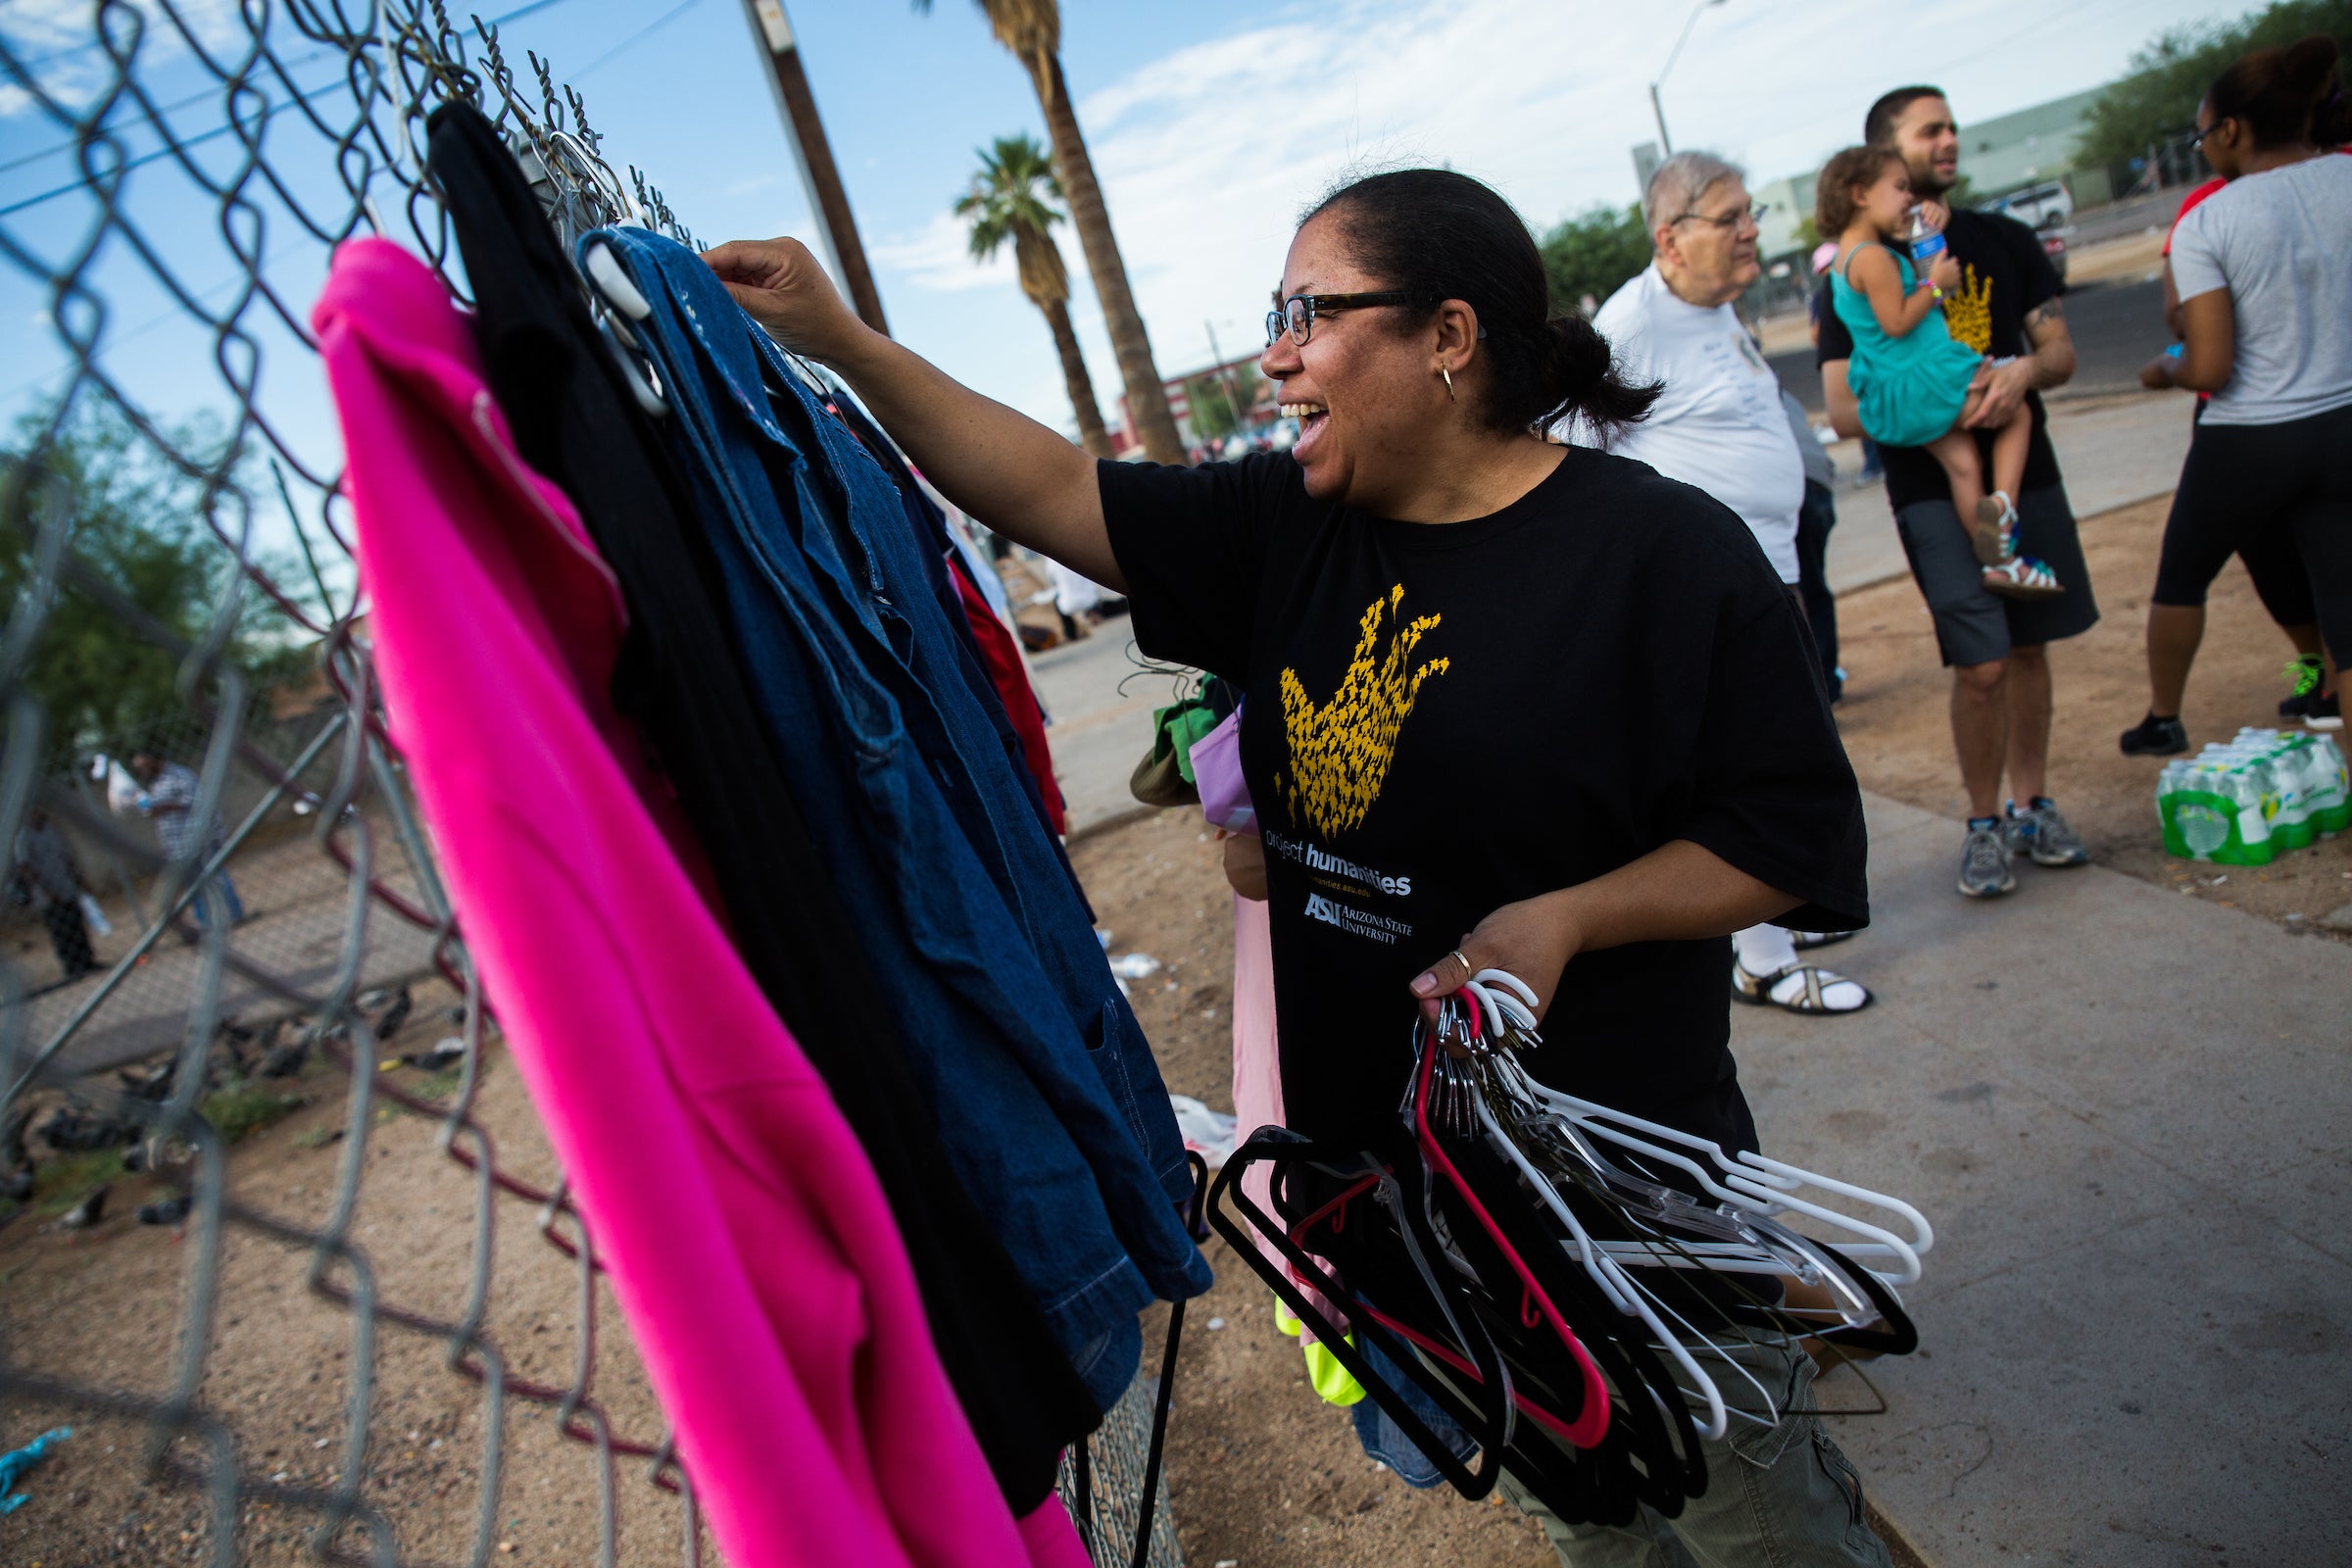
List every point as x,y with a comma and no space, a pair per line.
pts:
2155,737
2040,831
2306,674
1985,860
2326,712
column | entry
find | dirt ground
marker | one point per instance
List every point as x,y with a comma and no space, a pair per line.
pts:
104,1306
1898,729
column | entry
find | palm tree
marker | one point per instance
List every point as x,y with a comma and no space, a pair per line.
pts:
1012,199
1032,30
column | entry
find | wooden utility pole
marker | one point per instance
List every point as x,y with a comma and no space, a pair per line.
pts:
836,228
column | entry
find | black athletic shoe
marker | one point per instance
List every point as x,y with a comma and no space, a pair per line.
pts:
2326,712
2155,737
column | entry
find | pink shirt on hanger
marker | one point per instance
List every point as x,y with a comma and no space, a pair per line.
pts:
743,1229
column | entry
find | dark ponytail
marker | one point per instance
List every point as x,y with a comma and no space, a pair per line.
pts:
1581,365
2284,96
1439,235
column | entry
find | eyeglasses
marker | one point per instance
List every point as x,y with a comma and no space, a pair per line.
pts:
2199,140
1752,213
1297,315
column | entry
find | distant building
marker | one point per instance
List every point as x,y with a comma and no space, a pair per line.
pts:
2010,152
1787,204
1252,394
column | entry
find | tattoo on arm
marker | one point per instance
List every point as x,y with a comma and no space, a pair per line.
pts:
2052,347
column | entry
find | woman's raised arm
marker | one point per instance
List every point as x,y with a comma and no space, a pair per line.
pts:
1009,472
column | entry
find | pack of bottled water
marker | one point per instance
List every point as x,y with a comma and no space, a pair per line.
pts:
2250,800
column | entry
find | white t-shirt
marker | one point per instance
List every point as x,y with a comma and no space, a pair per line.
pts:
2281,242
1718,424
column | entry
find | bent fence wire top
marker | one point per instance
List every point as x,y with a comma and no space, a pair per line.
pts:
325,1362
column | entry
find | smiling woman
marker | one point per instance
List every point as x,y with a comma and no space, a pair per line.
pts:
1510,703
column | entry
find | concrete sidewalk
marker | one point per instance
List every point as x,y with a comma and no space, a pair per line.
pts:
2129,1116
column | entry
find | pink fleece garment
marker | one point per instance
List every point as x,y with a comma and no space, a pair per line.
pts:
1257,1048
745,1232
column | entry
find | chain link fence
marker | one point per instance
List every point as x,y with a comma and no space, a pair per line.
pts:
2168,163
318,1349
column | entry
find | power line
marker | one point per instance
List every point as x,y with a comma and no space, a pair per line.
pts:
24,68
639,36
171,147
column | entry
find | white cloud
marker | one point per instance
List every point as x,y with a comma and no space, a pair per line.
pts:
938,258
1209,155
57,42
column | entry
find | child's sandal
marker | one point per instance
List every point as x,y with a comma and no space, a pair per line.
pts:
1995,533
2023,577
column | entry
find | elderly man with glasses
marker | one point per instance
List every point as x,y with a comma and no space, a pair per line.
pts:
1718,424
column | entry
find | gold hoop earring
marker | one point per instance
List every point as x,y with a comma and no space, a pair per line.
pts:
1449,375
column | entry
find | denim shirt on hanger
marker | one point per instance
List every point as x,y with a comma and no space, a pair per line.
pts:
1048,1100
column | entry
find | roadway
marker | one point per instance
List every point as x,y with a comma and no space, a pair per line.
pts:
2116,327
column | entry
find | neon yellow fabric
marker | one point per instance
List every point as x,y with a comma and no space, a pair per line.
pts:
1331,1380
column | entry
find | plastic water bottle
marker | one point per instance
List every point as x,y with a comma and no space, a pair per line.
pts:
1926,244
2226,811
2330,790
2200,807
2256,794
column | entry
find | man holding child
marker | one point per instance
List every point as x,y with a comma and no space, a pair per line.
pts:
2006,305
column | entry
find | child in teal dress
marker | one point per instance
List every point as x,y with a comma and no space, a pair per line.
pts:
1914,383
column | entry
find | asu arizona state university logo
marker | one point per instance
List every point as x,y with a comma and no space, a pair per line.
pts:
1341,749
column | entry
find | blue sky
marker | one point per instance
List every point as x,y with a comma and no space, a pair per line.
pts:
1211,123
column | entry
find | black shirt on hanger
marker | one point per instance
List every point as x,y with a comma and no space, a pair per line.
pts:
574,420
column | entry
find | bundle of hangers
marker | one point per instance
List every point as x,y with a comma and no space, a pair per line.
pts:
1559,1278
721,742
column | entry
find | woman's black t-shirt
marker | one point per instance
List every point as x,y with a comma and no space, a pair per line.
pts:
1444,720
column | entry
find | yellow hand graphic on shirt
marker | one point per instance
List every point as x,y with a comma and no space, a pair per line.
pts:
1341,750
1968,311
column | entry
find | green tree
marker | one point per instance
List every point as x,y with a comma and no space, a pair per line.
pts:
1031,30
1212,403
2158,100
1593,254
133,521
1012,199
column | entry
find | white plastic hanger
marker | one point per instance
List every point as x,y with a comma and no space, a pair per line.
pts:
611,286
1761,1186
1751,1190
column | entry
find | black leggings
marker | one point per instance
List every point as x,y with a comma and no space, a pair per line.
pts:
2280,496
